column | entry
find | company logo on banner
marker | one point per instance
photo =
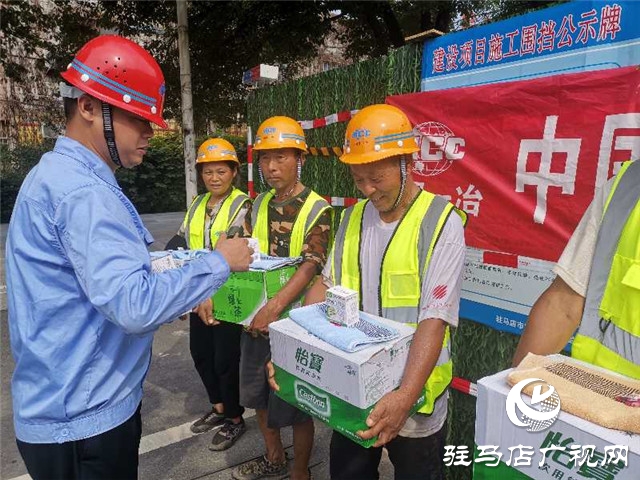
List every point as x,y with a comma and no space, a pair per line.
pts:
439,148
544,408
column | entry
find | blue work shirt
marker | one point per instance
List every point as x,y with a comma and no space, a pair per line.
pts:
83,303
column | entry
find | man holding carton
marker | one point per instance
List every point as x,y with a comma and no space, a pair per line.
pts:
402,249
290,220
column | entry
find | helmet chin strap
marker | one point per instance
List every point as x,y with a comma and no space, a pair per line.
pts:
109,134
403,184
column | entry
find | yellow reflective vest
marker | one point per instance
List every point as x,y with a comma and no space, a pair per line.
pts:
609,333
313,207
194,220
404,266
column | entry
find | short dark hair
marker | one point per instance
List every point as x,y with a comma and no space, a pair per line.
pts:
70,107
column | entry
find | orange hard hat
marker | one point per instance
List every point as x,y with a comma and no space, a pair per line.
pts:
216,150
280,132
377,132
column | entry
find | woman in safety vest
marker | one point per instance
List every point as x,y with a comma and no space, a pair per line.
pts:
215,345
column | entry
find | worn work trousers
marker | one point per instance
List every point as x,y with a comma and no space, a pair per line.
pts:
216,355
412,458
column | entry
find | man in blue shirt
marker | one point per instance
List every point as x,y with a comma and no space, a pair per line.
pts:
83,303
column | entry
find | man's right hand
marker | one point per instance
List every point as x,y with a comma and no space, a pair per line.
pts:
236,252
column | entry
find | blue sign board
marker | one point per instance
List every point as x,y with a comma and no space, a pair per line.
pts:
571,37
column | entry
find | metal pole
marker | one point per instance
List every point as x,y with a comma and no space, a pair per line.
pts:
250,188
188,134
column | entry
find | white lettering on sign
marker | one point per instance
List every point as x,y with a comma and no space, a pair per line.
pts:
469,200
611,142
543,178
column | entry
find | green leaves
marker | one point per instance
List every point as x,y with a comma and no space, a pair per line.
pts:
158,185
14,166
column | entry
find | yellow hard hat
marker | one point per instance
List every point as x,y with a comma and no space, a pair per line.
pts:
377,132
280,132
216,150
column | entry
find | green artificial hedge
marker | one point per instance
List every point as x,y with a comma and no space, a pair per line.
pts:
156,186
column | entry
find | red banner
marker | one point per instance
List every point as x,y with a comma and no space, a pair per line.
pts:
523,158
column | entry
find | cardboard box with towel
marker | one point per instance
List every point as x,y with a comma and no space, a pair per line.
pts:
335,386
493,426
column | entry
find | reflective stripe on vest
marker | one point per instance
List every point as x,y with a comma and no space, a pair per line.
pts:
195,218
404,266
314,206
609,333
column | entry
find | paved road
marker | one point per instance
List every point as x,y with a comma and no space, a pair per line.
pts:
173,398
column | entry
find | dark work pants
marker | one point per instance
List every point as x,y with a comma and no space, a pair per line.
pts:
112,455
216,355
412,458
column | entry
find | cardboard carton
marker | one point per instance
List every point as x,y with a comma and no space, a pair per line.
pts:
493,427
334,386
244,293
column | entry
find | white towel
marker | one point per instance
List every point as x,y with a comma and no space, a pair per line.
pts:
367,331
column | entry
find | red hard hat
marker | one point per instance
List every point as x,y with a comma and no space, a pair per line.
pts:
121,73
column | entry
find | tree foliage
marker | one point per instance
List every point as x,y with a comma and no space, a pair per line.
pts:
227,37
370,29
